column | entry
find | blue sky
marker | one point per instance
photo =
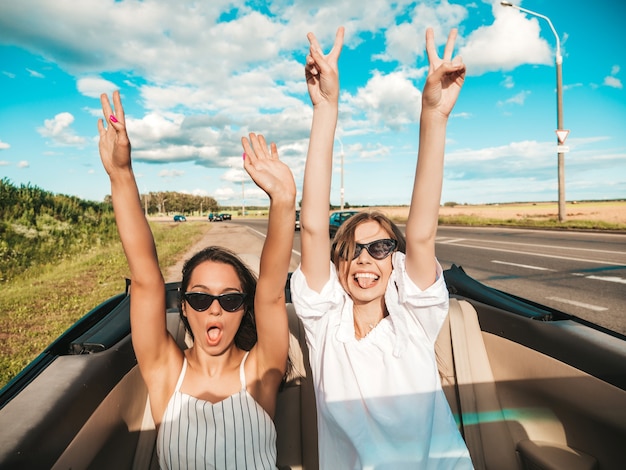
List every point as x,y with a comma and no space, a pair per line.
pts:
196,76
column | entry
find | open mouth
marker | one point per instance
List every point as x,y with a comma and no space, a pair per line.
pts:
213,335
366,280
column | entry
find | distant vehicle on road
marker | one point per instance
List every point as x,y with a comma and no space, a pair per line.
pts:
180,218
215,217
226,216
338,218
298,219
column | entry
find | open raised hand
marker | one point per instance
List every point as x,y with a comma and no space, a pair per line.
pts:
265,168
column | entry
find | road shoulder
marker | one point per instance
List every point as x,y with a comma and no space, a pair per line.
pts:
244,241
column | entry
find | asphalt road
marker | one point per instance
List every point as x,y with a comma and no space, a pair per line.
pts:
579,273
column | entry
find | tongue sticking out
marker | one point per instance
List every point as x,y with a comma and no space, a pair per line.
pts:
365,280
213,334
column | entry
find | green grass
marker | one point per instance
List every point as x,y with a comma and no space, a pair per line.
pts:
543,223
41,303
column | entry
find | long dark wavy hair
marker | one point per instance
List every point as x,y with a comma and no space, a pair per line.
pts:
246,336
344,242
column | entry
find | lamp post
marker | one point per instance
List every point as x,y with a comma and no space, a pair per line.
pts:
342,189
243,198
559,108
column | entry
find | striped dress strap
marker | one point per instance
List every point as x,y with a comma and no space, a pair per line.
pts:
242,374
181,376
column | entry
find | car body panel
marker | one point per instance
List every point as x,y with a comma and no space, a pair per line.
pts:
337,219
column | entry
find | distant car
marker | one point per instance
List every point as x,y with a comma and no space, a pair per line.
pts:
226,216
217,218
211,217
338,218
297,220
180,218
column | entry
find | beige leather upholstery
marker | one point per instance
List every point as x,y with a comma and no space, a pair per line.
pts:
510,400
296,415
531,411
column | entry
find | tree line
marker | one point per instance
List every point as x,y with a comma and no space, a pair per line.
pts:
38,227
169,202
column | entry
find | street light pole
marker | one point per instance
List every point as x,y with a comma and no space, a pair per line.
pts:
342,189
559,108
243,199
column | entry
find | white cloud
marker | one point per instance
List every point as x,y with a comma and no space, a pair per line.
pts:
512,40
518,98
224,194
366,152
93,87
23,164
59,130
4,145
391,99
171,173
252,193
521,170
613,82
200,192
406,41
235,175
462,115
35,74
508,82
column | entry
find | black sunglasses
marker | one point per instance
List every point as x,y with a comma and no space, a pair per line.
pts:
378,249
200,301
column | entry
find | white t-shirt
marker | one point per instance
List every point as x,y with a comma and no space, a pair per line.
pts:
379,399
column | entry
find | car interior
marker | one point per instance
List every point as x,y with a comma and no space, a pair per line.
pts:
530,390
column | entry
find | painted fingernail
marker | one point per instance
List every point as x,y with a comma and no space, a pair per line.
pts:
112,118
244,155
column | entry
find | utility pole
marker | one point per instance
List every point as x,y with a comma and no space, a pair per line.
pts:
561,133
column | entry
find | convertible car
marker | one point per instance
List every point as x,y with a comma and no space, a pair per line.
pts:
531,388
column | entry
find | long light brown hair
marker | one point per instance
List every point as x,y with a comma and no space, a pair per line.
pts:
344,242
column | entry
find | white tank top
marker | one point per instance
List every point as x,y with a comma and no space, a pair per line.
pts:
235,433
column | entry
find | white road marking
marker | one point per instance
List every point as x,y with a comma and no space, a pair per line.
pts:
595,308
521,265
543,255
453,240
265,236
533,245
608,278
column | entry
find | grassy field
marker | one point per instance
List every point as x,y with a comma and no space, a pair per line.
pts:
43,302
596,215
